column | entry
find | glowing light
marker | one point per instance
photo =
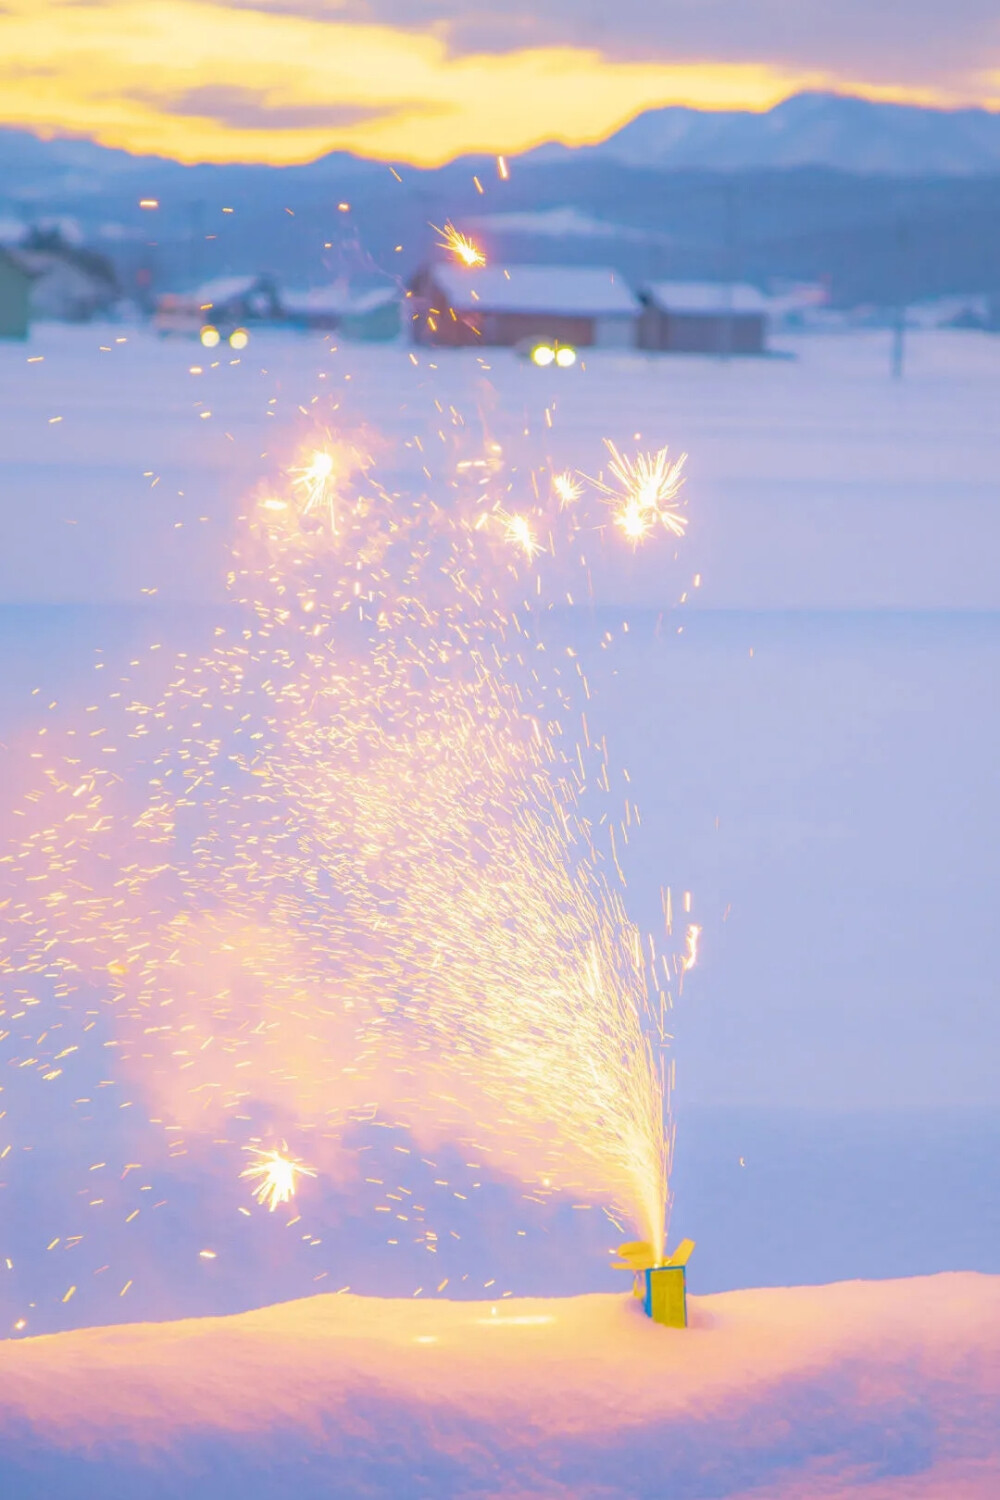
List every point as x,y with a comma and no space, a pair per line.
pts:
542,354
565,356
276,1176
317,481
567,487
239,338
646,489
634,520
149,202
465,251
209,336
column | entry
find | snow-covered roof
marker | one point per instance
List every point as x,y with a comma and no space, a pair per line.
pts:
584,291
337,300
225,289
710,297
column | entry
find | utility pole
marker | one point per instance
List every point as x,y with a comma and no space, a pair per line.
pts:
197,232
899,325
729,265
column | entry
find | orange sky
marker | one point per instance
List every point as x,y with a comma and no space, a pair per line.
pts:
227,82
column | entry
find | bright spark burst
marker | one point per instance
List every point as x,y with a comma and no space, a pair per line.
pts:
464,250
567,488
316,481
518,531
647,486
276,1176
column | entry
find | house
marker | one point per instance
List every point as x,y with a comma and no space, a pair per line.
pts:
226,303
702,317
367,317
581,305
67,282
15,292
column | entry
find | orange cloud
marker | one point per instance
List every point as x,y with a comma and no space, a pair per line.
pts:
205,82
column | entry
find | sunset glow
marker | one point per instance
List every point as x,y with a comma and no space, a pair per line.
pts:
221,82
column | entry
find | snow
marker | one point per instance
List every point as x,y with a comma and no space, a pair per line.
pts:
885,1391
706,297
585,291
835,1047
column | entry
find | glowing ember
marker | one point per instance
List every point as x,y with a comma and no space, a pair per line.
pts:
275,1176
465,251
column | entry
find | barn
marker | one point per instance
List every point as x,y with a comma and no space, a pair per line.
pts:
702,317
586,306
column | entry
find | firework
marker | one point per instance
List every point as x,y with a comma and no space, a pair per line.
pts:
352,860
644,491
276,1175
567,488
518,531
458,245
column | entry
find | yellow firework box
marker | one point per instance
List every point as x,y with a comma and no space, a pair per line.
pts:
663,1286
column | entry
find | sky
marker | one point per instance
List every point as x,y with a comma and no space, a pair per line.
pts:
425,80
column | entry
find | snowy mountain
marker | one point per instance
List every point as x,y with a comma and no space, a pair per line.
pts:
811,129
831,130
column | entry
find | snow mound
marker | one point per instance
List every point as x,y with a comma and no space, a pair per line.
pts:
881,1390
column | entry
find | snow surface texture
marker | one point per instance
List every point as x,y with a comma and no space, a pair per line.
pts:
882,1391
831,799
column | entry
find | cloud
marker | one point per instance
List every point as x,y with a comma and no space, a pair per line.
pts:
289,80
907,42
243,108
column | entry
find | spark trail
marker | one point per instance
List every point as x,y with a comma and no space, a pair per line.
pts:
341,865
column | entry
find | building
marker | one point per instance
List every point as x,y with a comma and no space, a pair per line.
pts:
367,317
226,303
66,282
15,293
581,305
702,317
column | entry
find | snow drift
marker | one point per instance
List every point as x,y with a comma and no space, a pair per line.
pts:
883,1390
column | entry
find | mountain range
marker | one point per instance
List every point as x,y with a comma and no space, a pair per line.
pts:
837,131
811,129
865,196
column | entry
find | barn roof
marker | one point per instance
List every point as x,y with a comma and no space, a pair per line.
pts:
713,298
582,291
338,299
226,289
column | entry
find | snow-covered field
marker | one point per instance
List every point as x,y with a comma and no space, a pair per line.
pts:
886,1391
811,739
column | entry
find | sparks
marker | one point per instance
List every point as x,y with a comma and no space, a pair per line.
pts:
376,726
276,1176
517,530
567,488
465,251
646,487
